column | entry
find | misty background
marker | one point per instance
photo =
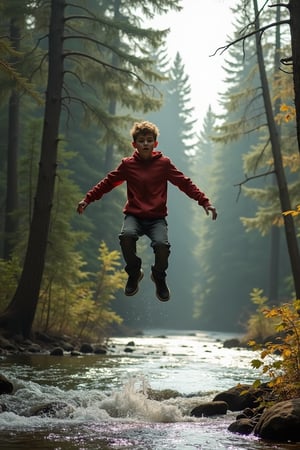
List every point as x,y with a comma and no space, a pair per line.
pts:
214,266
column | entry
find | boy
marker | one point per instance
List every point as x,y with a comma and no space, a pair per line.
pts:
146,173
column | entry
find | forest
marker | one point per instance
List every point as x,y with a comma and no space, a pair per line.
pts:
74,77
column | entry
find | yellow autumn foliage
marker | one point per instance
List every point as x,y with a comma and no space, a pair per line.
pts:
279,358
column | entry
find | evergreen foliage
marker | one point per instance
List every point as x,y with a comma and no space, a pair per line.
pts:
76,309
233,265
116,70
258,327
69,294
128,46
259,160
227,256
14,59
9,275
90,80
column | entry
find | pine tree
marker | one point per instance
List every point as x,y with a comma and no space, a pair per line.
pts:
231,261
294,10
204,149
126,44
14,80
250,117
19,315
259,160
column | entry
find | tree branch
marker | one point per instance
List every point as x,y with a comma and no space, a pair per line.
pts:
287,61
85,105
109,47
260,31
249,179
73,5
109,66
261,154
285,5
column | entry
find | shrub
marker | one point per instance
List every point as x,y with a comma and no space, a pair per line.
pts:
280,359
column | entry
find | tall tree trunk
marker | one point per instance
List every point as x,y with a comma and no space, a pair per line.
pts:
294,8
289,226
19,315
275,230
11,204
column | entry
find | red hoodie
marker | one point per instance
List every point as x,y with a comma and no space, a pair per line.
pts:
147,181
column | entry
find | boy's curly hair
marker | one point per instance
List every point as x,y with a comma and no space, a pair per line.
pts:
143,128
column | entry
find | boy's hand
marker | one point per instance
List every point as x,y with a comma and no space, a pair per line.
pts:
213,211
81,206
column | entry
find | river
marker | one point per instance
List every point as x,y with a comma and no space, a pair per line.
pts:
105,399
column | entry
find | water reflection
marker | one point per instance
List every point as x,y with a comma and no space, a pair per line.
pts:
138,437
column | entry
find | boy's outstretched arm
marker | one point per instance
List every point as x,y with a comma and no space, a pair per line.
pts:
81,206
211,209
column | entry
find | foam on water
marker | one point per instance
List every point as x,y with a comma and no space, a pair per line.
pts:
130,403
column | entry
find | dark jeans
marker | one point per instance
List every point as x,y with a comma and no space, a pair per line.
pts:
157,231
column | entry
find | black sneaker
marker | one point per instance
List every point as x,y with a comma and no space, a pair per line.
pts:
162,290
132,285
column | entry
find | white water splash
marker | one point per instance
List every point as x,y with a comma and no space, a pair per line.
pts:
131,402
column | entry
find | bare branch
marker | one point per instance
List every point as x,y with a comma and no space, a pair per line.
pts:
261,153
254,177
109,66
260,31
116,24
83,84
76,76
285,5
39,66
84,18
285,71
86,106
287,61
251,130
102,21
249,179
82,8
105,45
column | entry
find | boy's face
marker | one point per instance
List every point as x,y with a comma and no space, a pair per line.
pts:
145,144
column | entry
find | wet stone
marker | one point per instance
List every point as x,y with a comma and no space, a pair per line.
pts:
210,409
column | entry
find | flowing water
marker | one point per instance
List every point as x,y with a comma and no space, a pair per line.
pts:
104,402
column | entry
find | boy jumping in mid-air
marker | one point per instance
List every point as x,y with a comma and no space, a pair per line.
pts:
146,173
